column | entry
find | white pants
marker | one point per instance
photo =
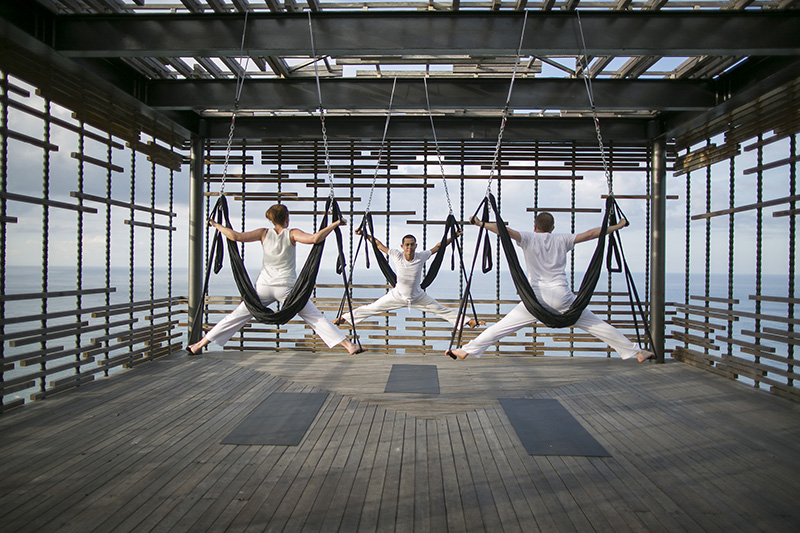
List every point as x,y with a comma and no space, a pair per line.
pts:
391,301
558,299
269,294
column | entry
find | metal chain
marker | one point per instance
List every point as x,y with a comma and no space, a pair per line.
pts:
438,151
380,151
240,77
321,108
587,81
504,117
792,248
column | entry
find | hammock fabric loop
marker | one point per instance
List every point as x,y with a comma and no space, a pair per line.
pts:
303,287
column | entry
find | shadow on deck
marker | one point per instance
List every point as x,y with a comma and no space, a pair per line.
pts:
142,451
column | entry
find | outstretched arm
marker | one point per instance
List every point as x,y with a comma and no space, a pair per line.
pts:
378,243
595,232
302,237
439,244
239,236
492,226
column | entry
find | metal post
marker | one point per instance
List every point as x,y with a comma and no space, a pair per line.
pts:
196,229
659,241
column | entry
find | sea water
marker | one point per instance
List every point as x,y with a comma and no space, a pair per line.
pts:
160,283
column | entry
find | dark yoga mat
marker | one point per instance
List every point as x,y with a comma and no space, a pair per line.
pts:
545,427
420,379
281,420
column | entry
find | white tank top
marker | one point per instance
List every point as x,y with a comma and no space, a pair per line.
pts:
278,263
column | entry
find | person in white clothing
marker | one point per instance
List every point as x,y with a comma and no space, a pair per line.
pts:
407,292
546,259
276,278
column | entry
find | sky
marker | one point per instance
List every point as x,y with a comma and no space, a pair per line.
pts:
26,163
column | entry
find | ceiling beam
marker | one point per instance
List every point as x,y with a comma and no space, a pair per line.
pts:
458,94
743,84
415,128
480,33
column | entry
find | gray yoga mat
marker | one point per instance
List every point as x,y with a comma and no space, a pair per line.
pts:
417,379
280,420
545,427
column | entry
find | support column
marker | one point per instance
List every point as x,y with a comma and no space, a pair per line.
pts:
196,234
658,238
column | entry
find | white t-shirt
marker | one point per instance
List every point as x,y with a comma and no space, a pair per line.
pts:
546,256
409,273
278,263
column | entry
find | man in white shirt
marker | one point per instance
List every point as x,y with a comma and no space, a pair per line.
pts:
546,259
407,292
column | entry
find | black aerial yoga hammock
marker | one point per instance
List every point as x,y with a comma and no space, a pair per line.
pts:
615,254
450,231
523,286
303,287
367,231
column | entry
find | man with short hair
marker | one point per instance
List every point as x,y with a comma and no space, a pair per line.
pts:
407,292
546,260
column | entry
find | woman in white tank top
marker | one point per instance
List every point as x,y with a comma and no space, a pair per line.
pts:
276,279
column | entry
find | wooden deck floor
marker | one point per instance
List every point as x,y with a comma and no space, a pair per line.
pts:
141,451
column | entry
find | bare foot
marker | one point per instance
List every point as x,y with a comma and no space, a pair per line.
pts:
457,352
194,349
474,323
644,355
352,348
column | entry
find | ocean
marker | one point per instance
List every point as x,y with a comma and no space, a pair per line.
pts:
29,280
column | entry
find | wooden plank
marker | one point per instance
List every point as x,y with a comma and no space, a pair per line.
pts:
422,490
545,508
389,511
97,162
701,500
638,196
95,467
598,512
707,327
745,344
42,331
772,164
162,465
491,517
440,468
54,294
57,332
59,353
149,225
11,134
710,312
784,339
357,494
794,335
372,502
666,491
406,489
118,203
732,301
779,299
331,496
45,202
519,507
789,362
289,478
787,213
695,340
748,207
